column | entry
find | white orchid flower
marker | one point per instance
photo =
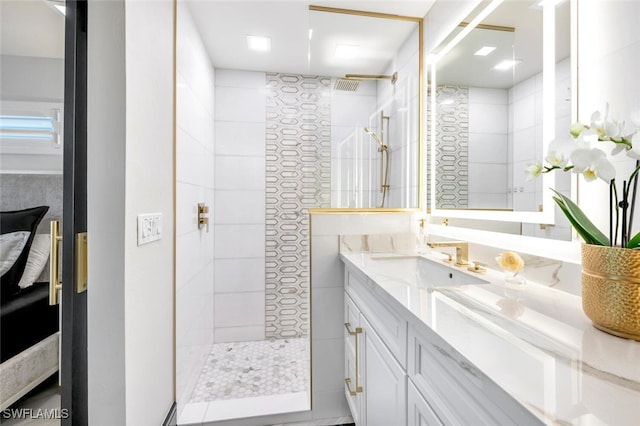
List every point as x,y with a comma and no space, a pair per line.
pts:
634,152
597,125
559,152
532,171
605,128
593,164
577,129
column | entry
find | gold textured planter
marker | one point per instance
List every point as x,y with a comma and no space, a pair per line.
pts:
611,289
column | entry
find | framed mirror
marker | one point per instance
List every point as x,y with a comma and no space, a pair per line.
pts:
502,91
374,61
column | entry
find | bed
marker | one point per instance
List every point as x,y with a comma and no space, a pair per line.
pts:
29,338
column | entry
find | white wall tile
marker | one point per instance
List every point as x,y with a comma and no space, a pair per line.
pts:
239,275
524,113
238,241
239,206
488,118
240,104
240,138
194,163
328,364
524,144
327,312
233,172
487,148
330,404
193,117
239,334
349,110
489,178
327,270
239,309
243,79
478,95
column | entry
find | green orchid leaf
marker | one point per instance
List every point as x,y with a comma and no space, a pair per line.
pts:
634,242
584,234
581,222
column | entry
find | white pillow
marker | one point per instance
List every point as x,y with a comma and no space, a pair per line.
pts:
11,246
38,256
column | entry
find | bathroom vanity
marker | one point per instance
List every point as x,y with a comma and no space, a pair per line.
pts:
430,343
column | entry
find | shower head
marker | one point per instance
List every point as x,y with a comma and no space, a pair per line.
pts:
374,136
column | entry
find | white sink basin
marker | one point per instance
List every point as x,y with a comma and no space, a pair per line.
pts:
430,273
424,272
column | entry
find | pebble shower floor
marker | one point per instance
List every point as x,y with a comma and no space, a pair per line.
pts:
256,368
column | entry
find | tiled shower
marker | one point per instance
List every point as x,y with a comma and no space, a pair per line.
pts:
259,149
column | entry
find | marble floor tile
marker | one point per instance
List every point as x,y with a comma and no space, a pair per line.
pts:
256,368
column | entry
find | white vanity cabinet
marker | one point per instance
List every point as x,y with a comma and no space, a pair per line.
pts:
375,383
401,372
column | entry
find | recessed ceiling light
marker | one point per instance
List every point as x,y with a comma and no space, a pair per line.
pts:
346,51
485,50
259,43
507,64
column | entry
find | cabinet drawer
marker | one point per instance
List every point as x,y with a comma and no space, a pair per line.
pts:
419,412
458,392
388,322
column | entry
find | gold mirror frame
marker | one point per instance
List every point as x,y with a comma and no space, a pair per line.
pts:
421,143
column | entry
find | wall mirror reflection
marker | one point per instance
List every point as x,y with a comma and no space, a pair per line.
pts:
502,93
32,38
281,108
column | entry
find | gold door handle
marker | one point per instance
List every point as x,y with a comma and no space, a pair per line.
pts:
54,281
348,380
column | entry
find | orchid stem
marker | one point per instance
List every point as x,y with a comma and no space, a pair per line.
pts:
614,240
624,205
611,241
634,177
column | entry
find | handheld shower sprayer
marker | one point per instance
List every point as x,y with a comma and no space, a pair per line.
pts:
384,162
375,136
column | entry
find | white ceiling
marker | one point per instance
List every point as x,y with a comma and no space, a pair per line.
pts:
31,28
524,44
224,25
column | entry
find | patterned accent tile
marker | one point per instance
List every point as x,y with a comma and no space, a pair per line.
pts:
298,177
452,147
249,369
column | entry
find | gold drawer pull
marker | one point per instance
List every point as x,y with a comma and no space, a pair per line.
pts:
348,383
348,380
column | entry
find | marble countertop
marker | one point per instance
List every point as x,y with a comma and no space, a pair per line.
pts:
533,341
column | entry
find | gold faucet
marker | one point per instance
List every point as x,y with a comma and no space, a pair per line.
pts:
462,250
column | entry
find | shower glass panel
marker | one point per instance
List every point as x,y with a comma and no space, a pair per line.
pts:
374,64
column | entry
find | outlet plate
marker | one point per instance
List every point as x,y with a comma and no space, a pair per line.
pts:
149,227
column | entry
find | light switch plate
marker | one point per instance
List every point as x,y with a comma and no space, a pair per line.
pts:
149,227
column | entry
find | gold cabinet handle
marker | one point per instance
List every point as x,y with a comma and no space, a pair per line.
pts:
54,282
348,380
348,383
